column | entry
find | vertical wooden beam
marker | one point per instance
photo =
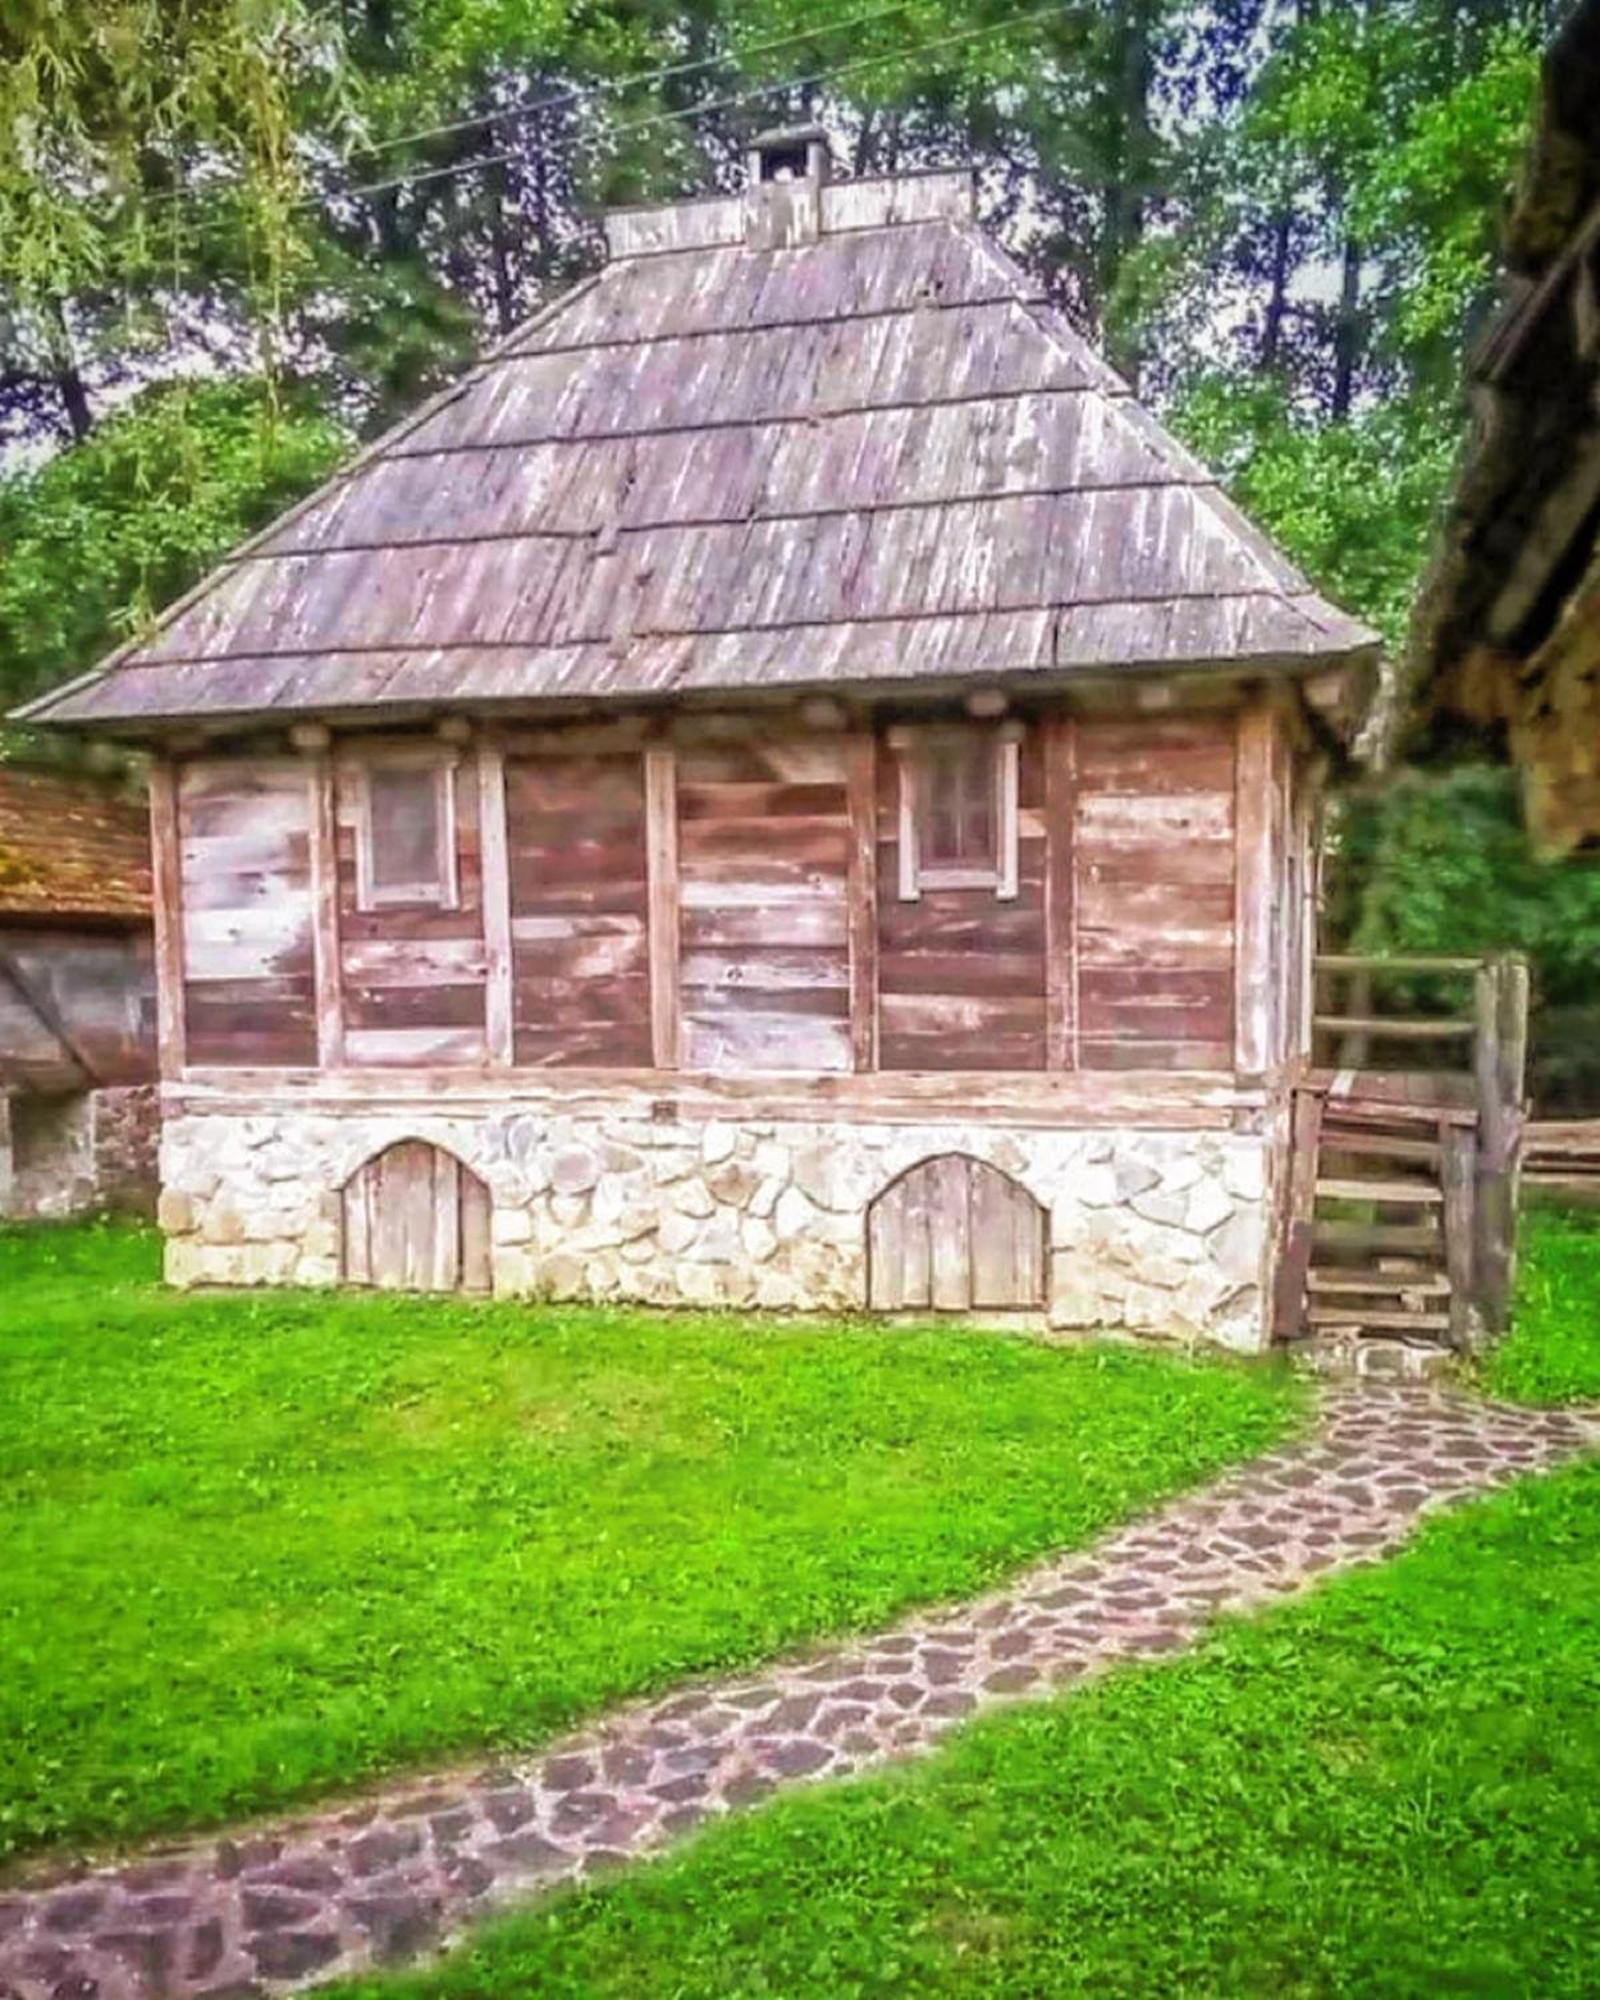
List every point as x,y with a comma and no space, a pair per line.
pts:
327,969
1253,885
166,881
493,842
661,863
861,887
1299,1219
1061,891
1458,1148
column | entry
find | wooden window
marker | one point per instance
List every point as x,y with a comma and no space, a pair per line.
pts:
406,833
958,808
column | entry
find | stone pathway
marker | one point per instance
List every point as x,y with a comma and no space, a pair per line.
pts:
283,1906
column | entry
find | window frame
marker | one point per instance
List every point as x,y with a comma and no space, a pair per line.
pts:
911,744
444,891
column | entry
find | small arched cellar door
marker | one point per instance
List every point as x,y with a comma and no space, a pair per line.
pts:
416,1220
953,1233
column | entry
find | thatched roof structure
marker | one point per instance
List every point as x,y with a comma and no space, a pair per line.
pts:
816,436
71,848
1508,626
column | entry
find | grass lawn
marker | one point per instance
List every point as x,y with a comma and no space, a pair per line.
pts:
261,1546
1392,1787
1552,1353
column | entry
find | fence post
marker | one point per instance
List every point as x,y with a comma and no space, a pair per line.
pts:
1458,1154
1499,1055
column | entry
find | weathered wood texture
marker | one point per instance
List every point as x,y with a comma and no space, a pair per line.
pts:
77,1007
954,1233
576,845
246,925
413,974
880,455
961,972
166,910
764,842
416,1220
1154,849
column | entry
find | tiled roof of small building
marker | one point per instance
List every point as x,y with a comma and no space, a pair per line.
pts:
71,847
874,455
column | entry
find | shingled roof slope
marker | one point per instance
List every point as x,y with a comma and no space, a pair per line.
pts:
71,847
874,456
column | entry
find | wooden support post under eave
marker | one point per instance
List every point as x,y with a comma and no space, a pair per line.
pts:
498,1015
327,969
1254,885
861,779
1061,892
166,885
661,866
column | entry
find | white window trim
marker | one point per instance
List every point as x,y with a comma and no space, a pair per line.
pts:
915,874
443,893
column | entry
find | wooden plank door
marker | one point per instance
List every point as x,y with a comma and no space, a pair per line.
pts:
416,1220
954,1233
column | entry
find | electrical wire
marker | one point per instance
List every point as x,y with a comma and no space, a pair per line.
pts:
732,101
617,86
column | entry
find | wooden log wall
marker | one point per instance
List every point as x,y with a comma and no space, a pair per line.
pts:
961,972
725,897
1154,865
245,939
763,872
411,977
579,938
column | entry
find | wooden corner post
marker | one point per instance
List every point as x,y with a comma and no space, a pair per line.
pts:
166,883
661,864
327,968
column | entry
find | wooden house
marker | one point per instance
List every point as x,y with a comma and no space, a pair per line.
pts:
785,787
1508,628
78,1110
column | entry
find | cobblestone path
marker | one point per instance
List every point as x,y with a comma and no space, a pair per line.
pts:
285,1905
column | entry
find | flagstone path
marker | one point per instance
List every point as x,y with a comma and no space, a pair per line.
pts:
281,1906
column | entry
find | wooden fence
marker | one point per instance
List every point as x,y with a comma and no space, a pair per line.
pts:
1455,1120
1563,1156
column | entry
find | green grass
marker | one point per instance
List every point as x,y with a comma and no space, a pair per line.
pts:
264,1545
1552,1353
1392,1787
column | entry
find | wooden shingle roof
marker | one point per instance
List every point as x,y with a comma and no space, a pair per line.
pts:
873,456
71,847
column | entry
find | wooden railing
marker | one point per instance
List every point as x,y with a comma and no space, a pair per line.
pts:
1471,1015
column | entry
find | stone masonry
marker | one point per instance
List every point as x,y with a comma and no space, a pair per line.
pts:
268,1908
83,1150
1155,1232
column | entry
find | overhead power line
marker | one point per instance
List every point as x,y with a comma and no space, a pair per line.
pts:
620,85
729,102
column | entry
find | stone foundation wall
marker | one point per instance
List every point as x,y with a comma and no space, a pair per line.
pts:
1157,1232
80,1151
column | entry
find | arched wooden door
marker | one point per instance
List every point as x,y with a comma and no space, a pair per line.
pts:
953,1233
416,1220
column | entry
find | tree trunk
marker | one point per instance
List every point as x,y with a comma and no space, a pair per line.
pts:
1347,333
1128,159
67,376
1277,295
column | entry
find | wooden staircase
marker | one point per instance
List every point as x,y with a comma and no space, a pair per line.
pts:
1400,1194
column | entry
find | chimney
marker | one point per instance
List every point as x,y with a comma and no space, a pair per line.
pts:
787,169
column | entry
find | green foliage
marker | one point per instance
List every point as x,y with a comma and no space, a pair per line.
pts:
1392,1787
1552,1353
1449,868
1352,502
261,1546
95,539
